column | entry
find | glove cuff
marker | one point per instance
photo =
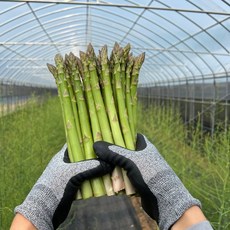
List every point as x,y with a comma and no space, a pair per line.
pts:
38,207
173,198
204,225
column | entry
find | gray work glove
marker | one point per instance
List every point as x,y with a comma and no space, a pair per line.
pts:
163,195
48,203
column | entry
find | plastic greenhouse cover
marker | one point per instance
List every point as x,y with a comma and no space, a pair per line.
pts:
181,39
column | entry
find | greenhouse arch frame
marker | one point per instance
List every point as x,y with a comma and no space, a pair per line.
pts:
186,45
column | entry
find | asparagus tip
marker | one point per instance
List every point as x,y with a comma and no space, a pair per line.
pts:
104,54
71,55
90,52
79,65
51,68
90,46
142,58
126,51
128,46
116,46
82,55
58,59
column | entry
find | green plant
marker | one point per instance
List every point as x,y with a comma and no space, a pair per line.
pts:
202,162
98,86
29,138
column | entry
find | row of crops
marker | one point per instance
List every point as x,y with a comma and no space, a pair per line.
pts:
32,135
14,96
208,102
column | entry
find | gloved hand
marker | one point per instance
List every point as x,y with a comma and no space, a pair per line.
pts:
163,195
48,203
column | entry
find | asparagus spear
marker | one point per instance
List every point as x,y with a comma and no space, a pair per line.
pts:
96,130
109,100
122,111
100,107
134,81
97,184
118,183
128,99
85,76
124,56
82,110
70,75
111,66
104,94
67,107
53,70
73,140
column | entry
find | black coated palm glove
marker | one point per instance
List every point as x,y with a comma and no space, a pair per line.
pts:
49,201
163,195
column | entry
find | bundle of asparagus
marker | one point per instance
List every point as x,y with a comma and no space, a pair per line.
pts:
98,96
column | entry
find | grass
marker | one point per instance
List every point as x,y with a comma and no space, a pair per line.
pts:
201,161
29,138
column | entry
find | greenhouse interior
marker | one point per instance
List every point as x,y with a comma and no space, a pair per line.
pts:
168,63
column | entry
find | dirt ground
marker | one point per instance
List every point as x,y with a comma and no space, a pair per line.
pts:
146,222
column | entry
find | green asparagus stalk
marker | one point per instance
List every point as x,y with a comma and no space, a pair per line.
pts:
124,56
99,102
67,107
109,100
118,183
122,111
98,68
134,81
128,98
53,70
100,107
111,63
70,73
82,110
70,126
85,76
123,116
93,113
97,184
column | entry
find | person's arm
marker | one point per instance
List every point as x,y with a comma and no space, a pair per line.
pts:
163,195
21,223
49,201
192,216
